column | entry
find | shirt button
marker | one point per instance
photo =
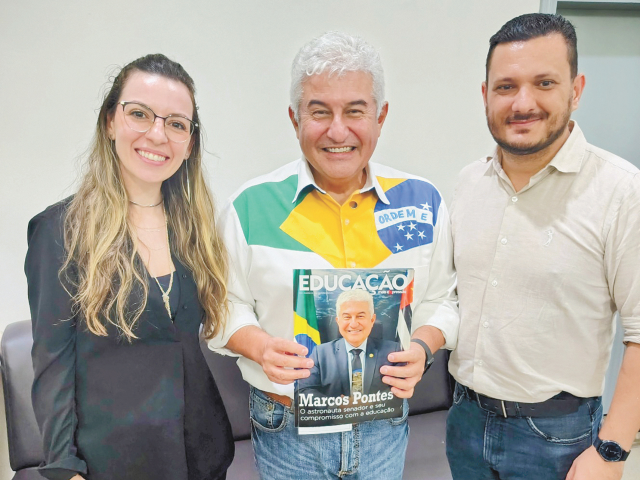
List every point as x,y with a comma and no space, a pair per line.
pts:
485,324
346,222
184,275
352,264
514,199
184,307
494,283
353,204
480,363
503,241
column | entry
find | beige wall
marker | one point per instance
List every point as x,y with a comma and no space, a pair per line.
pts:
56,56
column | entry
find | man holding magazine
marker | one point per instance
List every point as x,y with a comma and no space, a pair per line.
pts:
332,209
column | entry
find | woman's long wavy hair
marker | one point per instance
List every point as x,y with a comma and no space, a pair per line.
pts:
102,266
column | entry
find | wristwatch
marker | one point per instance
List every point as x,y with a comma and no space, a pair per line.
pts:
427,350
610,451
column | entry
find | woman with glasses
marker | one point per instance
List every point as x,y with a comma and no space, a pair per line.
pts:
122,276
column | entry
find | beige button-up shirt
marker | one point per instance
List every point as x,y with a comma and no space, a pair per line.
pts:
541,273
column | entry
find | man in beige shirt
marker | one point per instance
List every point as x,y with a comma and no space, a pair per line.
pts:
547,248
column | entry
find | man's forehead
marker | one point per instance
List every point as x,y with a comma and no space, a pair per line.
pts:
358,305
549,52
349,87
354,103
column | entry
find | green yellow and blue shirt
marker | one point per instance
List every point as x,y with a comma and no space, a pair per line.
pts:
283,221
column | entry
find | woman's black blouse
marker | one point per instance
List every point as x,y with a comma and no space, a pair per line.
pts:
113,409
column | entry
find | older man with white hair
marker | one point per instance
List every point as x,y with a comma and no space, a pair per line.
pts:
332,208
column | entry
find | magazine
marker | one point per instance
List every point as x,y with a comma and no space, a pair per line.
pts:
350,320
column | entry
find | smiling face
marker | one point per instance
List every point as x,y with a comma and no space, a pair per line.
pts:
529,94
149,158
338,128
355,321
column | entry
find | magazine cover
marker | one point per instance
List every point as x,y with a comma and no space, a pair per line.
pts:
350,320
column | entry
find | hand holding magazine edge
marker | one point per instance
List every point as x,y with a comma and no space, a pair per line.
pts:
403,379
283,361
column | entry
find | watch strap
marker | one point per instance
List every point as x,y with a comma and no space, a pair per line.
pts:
429,361
598,444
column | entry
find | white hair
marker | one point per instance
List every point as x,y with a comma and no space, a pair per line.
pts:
355,295
338,53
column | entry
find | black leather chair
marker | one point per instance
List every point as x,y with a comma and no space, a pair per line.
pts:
428,409
426,457
25,449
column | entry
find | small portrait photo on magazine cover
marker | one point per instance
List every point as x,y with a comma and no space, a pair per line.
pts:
339,364
351,320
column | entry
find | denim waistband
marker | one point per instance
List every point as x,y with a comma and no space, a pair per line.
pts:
562,404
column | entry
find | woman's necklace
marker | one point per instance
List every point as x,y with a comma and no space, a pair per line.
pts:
165,294
146,206
148,229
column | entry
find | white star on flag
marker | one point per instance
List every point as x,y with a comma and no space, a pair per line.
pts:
412,226
421,234
409,236
425,205
401,227
398,247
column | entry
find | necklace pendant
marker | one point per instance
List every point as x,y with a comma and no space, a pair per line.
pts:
165,298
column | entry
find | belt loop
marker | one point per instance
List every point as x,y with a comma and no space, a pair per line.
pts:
504,410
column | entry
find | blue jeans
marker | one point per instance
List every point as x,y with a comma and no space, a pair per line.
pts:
482,445
372,450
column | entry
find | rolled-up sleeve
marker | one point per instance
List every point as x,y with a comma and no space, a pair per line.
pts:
241,300
622,259
54,350
439,307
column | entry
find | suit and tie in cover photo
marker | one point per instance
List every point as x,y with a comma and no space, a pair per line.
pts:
330,378
350,320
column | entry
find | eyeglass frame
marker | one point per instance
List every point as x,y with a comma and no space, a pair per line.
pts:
193,124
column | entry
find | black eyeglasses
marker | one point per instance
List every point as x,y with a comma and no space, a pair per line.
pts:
141,118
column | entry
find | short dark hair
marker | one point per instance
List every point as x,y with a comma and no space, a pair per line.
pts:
534,25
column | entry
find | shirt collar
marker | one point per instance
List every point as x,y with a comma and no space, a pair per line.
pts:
363,346
568,159
305,179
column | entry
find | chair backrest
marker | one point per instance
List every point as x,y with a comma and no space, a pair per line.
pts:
25,446
435,390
